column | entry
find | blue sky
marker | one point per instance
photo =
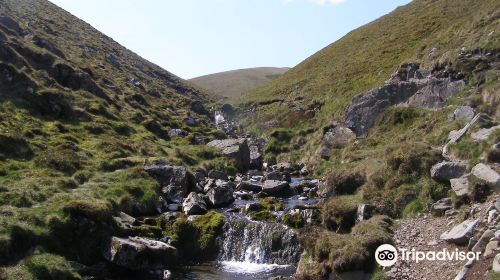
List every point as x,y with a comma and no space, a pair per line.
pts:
191,38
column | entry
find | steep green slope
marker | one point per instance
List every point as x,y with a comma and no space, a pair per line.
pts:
426,32
233,84
78,115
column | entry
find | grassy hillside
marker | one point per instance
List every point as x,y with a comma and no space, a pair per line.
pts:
232,84
426,32
78,115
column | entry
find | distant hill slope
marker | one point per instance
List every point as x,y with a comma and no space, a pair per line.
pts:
237,82
426,32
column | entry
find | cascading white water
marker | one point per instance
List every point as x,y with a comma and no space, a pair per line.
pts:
251,247
219,118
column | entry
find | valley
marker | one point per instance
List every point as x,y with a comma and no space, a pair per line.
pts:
114,168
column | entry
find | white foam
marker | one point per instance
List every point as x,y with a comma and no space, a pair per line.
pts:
248,267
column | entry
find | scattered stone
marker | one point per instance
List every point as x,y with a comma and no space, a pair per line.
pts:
125,221
483,240
441,206
139,253
194,204
451,212
492,215
447,170
177,133
496,263
491,248
484,133
461,233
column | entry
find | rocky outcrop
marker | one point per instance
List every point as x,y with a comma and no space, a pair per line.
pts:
194,204
447,170
409,86
140,253
234,148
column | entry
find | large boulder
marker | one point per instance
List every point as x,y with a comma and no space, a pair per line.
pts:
176,181
220,195
460,234
138,253
234,148
194,204
485,173
447,170
275,187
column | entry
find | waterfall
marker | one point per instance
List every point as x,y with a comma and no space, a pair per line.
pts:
219,118
259,243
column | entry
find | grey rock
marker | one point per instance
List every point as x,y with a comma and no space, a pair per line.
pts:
483,241
441,206
253,206
274,175
488,175
249,186
139,253
176,181
125,221
447,170
234,148
484,133
191,122
491,248
220,196
461,233
177,133
338,136
275,187
496,263
465,113
215,174
460,186
194,204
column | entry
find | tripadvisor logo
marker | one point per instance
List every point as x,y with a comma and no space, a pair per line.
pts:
387,255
